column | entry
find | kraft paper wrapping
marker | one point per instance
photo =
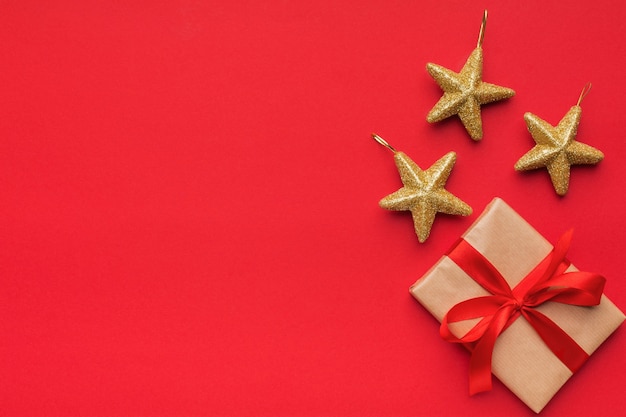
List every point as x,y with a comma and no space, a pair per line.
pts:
521,360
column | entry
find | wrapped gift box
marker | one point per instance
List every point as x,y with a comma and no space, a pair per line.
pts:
521,359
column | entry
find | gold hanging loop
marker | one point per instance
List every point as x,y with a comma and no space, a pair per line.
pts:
583,94
481,35
383,142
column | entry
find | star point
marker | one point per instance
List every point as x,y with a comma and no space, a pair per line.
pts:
423,193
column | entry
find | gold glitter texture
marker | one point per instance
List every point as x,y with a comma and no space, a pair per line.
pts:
465,92
423,192
556,148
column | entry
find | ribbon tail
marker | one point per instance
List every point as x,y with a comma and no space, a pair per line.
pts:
480,361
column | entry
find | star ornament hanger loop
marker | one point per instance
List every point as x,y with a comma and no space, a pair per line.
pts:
556,148
465,92
423,192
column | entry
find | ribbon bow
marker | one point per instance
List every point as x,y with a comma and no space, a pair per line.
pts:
548,281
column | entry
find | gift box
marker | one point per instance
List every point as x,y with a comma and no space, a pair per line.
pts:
523,355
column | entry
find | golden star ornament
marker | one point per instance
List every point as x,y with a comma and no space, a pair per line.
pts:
423,193
465,92
556,147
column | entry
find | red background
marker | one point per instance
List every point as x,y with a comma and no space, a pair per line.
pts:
189,220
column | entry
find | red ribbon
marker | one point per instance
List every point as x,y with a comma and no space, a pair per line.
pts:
547,282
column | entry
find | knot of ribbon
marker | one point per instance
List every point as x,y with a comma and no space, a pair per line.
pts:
548,281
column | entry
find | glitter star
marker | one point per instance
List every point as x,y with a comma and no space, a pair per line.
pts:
556,148
464,93
423,192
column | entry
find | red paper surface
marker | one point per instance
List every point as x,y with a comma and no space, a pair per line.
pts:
189,220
